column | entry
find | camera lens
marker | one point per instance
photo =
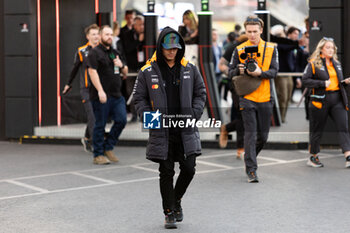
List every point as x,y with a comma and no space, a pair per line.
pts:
251,66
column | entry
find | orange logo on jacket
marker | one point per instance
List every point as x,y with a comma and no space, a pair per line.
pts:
155,86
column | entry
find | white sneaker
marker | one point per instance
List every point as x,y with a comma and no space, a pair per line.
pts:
347,163
314,162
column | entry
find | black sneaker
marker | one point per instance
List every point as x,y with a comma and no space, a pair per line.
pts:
314,161
87,145
347,163
252,177
170,221
178,211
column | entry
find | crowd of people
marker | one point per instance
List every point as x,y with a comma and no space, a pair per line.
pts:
322,83
116,78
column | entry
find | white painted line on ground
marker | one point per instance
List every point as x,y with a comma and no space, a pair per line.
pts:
93,178
145,169
27,186
110,167
303,151
272,159
322,154
217,155
300,132
224,168
138,180
213,164
54,191
298,160
217,170
80,188
273,164
107,168
233,155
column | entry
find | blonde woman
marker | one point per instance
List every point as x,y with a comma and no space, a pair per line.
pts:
189,32
323,76
189,29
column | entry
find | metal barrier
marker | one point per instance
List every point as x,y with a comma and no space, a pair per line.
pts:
132,74
289,74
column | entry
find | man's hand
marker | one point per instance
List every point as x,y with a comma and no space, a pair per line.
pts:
102,96
256,72
241,68
66,89
327,83
118,62
141,36
304,41
347,80
298,83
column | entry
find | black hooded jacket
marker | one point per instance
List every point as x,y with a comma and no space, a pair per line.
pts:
150,95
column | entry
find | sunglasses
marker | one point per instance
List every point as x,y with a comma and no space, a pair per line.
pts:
328,38
252,20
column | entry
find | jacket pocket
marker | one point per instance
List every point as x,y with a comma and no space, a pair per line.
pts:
317,104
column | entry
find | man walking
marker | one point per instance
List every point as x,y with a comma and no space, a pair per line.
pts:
105,67
93,37
133,42
256,107
169,84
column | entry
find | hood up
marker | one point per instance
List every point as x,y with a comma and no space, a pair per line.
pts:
180,52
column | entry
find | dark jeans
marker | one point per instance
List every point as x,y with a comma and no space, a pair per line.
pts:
333,107
114,108
167,172
257,121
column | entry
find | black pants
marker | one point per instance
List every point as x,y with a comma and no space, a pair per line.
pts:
333,107
167,172
85,96
129,85
257,121
237,125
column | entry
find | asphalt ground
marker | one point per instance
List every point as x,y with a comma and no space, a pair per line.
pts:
56,188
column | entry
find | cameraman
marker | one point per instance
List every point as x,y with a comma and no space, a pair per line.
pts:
256,106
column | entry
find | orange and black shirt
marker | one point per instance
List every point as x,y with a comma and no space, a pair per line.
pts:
80,67
269,67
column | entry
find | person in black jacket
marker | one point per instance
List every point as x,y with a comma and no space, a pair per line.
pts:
80,67
236,123
170,85
328,97
288,61
133,42
129,19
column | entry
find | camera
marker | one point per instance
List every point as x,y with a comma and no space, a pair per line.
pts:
249,55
